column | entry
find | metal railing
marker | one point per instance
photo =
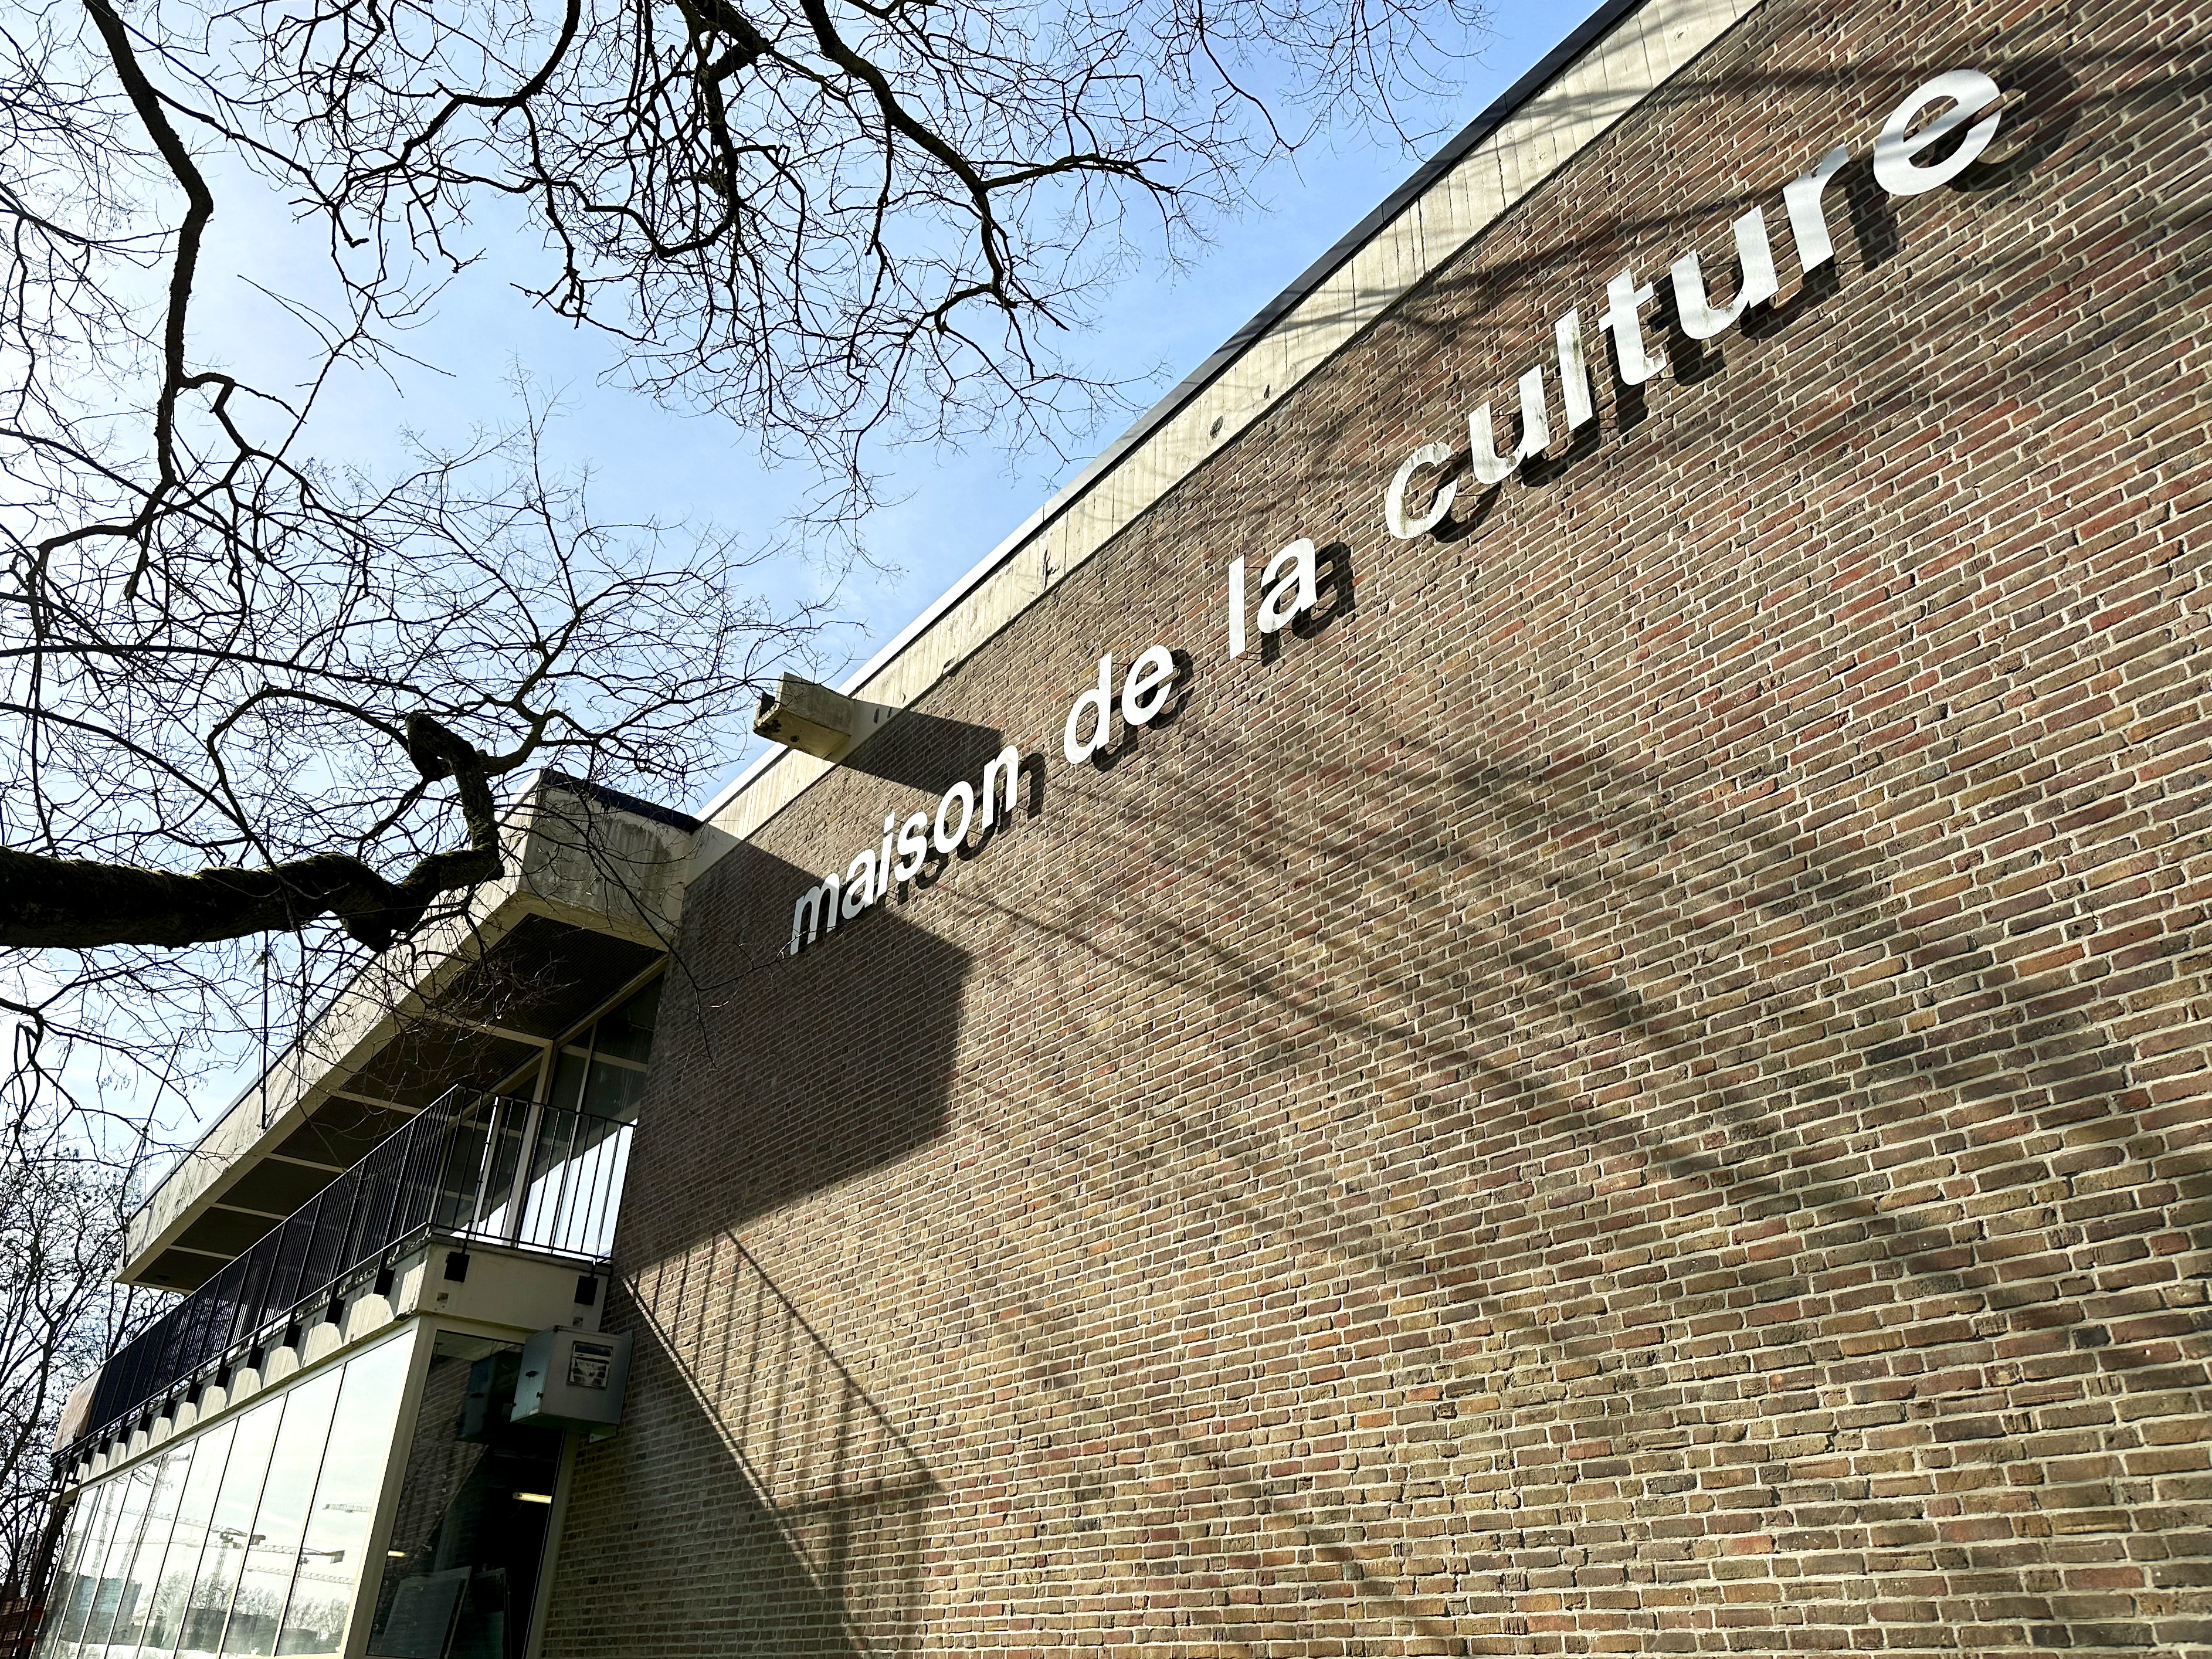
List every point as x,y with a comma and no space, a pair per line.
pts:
470,1166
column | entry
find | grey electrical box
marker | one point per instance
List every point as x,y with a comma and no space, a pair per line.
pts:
573,1380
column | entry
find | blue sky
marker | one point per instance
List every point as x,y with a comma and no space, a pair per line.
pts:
951,505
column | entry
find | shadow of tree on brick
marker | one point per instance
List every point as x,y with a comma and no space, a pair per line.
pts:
2023,1083
1954,1160
1684,1204
779,1511
756,1500
1489,308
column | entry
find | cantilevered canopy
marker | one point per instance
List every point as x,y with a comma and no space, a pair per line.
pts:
591,896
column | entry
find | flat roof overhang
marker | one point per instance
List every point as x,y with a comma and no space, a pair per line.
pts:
589,901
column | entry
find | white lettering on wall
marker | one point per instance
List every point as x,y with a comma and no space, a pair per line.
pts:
1393,516
1957,96
1755,257
1487,465
1149,685
1970,92
1808,220
1098,704
1290,584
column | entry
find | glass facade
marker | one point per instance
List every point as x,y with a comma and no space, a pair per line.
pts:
468,1537
251,1537
601,1070
247,1538
598,1080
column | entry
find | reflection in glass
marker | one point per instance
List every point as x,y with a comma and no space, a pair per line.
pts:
137,1599
64,1577
212,1451
496,1162
574,1181
230,1530
137,1487
614,1091
84,1584
627,1033
273,1549
65,1580
469,1529
575,1184
332,1555
568,1078
247,1538
602,1071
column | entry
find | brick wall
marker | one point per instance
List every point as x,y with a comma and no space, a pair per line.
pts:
1638,1086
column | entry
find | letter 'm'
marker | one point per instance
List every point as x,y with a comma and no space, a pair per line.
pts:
813,905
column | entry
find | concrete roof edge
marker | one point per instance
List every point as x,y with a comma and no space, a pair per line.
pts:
509,894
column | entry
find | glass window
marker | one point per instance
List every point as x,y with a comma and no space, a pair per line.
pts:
230,1531
73,1599
247,1538
272,1550
470,1527
627,1033
64,1579
331,1554
603,1070
137,1487
575,1184
165,1617
482,1151
568,1070
65,1548
137,1599
614,1089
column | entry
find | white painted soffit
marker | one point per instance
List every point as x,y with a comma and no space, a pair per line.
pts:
1622,54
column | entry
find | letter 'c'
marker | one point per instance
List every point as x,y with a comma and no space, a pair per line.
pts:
1393,503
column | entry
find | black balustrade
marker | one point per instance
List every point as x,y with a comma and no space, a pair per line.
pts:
457,1169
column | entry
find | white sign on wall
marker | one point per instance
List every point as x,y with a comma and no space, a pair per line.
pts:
1942,128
